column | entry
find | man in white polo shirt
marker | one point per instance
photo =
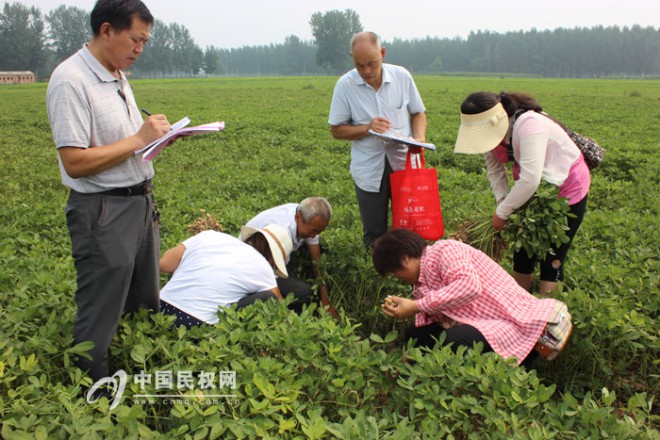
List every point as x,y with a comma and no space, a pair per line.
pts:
304,221
379,97
110,213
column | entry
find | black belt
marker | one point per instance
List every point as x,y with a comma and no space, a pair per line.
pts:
144,188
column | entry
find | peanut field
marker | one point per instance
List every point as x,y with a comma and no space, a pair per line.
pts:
308,375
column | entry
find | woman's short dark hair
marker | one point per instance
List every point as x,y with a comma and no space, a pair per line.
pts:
119,13
479,102
395,244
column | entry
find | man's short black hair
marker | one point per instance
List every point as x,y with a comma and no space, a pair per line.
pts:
391,248
119,13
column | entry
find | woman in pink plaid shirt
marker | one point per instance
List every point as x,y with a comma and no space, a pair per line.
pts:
460,291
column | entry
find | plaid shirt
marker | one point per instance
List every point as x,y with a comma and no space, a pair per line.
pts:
460,284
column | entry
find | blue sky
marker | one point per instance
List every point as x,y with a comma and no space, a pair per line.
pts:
258,22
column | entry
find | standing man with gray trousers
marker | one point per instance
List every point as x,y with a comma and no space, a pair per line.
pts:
382,98
112,220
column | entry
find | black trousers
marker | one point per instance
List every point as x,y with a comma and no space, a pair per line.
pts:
552,267
461,334
301,290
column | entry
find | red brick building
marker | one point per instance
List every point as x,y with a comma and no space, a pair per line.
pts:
24,77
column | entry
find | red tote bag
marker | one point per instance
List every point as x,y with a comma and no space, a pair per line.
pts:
416,199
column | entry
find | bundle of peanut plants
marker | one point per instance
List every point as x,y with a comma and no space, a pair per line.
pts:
536,227
540,224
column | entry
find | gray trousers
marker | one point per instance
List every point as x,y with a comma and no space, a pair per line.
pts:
116,245
374,208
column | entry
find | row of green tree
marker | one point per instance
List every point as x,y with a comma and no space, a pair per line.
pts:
30,40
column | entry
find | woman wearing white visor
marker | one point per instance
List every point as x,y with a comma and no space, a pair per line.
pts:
511,127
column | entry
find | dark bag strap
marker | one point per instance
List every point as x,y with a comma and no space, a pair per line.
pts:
591,152
509,148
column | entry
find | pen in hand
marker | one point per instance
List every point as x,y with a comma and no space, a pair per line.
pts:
146,112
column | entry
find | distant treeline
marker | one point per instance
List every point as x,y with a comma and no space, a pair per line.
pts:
30,40
563,53
560,53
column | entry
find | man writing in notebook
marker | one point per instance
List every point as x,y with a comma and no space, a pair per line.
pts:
110,213
379,97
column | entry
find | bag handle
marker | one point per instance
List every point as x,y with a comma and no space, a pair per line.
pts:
420,163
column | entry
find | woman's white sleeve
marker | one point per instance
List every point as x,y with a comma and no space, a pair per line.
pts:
496,173
532,159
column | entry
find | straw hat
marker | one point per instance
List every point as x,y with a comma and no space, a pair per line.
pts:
482,132
279,243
